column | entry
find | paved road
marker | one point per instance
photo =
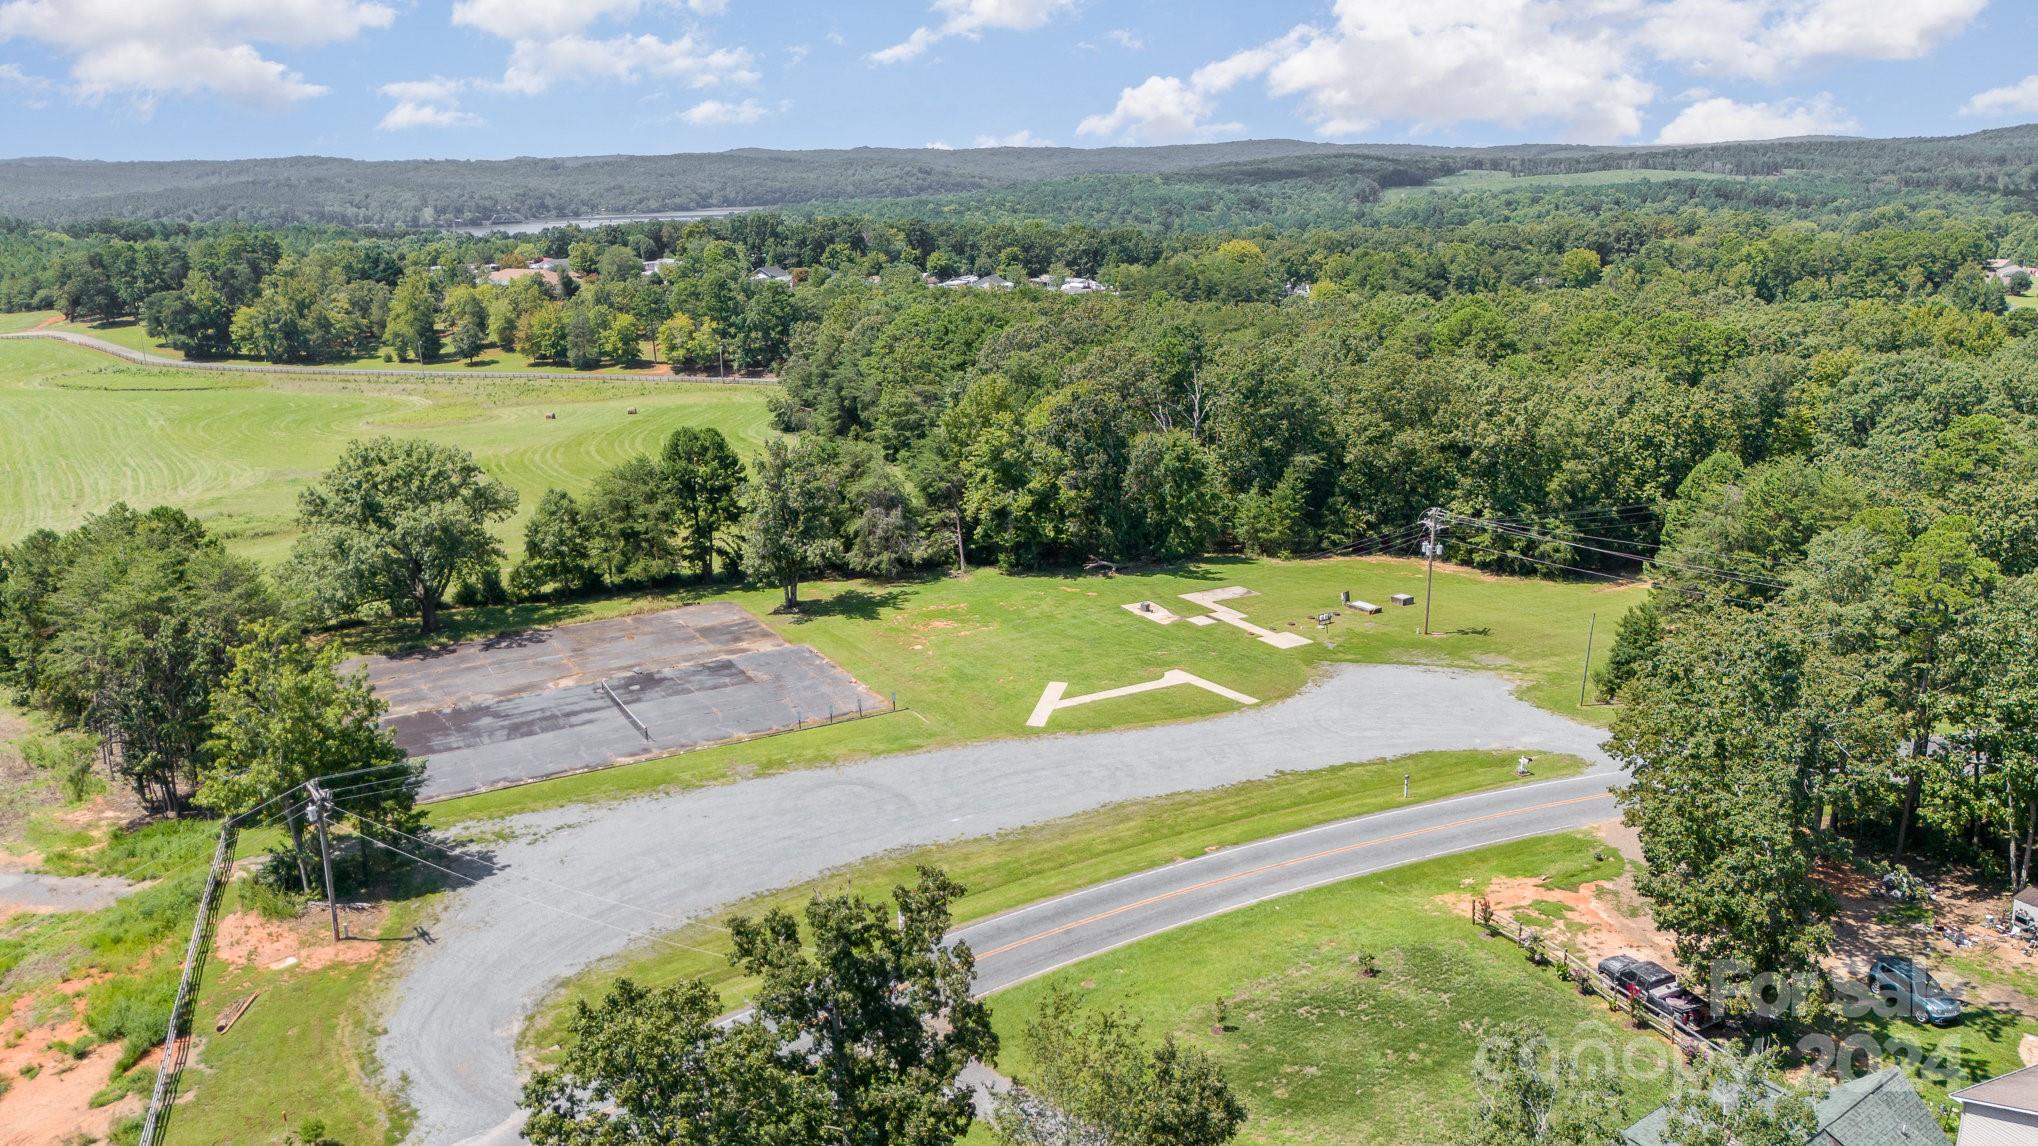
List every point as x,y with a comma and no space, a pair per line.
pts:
144,358
581,884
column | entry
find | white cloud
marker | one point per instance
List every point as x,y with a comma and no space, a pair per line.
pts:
409,113
1511,62
534,65
1763,39
1161,110
1578,66
438,89
937,145
426,103
537,19
2020,98
972,18
162,47
1720,119
554,40
1021,138
1125,38
717,113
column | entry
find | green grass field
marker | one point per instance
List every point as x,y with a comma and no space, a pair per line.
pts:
84,431
1019,867
1320,1052
11,321
2023,300
1501,180
131,334
968,657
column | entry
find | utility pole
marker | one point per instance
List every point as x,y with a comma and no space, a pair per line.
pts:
321,805
1432,520
1591,625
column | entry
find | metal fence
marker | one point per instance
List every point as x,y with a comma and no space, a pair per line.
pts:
1683,1036
175,1043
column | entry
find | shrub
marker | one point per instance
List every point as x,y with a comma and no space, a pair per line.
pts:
134,1010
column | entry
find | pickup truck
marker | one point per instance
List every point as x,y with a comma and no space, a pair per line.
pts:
1658,987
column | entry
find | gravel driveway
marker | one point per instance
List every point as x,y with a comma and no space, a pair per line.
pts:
502,942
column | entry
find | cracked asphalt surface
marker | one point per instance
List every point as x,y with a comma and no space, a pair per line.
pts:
581,884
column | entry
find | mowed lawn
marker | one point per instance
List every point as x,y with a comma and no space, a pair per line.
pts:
969,656
1321,1053
84,432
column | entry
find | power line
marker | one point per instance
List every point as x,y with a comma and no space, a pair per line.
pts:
654,937
540,879
1520,531
1605,576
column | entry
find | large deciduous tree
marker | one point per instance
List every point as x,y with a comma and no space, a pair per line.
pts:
1531,1094
286,714
397,520
786,532
1094,1080
858,1035
1733,735
122,627
703,477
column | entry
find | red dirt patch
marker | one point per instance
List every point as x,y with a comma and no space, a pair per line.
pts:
248,939
54,1106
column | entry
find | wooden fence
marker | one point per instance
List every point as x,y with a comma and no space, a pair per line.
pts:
1683,1036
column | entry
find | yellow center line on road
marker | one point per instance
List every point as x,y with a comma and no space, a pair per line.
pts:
1278,865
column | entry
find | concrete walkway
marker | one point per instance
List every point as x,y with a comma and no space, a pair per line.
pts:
583,883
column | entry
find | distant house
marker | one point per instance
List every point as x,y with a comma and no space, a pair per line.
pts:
2000,1112
550,264
958,282
1082,286
992,282
657,266
1873,1110
506,275
772,274
1300,290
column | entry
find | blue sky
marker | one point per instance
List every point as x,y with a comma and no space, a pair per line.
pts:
160,79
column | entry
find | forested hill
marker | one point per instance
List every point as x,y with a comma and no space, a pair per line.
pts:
318,189
1237,183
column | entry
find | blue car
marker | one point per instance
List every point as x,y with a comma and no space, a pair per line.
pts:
1910,989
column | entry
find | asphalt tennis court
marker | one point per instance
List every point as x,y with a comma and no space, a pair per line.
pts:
550,701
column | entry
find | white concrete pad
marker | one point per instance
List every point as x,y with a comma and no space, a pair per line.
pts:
1201,620
1210,597
1152,610
1286,640
1051,697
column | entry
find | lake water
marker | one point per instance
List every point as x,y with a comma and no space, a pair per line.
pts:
533,226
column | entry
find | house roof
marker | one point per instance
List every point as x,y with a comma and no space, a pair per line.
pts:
2028,895
2017,1090
1879,1109
773,271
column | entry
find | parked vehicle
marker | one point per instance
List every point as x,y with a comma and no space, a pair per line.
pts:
1910,989
1658,987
